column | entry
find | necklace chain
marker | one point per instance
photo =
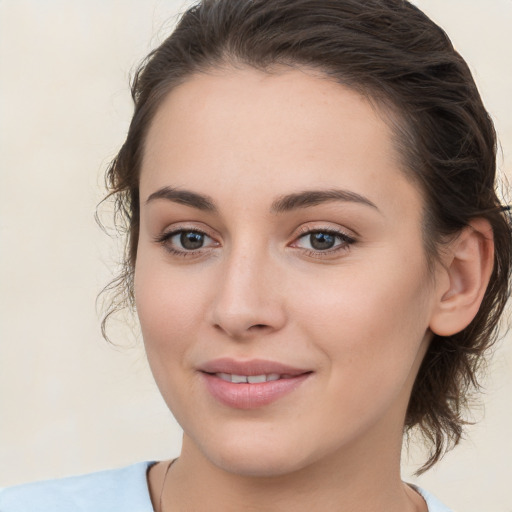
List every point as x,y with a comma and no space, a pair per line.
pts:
160,509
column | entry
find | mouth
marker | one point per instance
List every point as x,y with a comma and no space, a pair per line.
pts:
251,379
251,368
251,384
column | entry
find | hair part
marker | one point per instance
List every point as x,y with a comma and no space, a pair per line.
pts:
391,52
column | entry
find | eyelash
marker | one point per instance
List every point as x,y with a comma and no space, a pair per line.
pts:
165,238
345,242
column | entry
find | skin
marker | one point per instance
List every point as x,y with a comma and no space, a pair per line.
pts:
358,318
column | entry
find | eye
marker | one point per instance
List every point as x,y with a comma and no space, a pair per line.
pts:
185,242
323,241
189,240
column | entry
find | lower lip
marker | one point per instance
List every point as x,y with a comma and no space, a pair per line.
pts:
251,396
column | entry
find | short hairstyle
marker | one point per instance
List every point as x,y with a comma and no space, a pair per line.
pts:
391,52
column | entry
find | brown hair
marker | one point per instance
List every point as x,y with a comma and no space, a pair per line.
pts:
394,54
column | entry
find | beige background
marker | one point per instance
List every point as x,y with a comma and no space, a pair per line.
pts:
70,403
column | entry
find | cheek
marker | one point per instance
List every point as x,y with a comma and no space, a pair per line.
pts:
369,319
169,309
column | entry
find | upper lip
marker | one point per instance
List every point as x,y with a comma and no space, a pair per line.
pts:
250,367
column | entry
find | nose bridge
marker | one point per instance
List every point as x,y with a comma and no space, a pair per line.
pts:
247,298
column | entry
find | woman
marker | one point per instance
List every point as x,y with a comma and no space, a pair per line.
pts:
316,254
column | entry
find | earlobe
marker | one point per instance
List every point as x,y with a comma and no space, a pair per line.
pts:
467,271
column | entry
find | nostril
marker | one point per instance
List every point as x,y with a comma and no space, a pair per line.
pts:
241,332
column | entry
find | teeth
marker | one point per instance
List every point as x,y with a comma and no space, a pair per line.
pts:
251,379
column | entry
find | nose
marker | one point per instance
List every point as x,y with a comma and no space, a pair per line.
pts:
249,298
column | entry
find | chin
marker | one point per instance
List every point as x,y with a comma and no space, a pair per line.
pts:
267,466
245,457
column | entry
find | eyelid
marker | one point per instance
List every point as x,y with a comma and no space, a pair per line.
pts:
185,226
308,229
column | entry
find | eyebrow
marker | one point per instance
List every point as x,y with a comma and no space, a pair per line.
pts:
309,198
186,197
286,203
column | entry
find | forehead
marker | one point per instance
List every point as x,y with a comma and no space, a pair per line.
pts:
255,132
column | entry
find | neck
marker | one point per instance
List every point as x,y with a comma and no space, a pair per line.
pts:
348,481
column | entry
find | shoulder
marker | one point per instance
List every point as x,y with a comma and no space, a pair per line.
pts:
124,489
434,505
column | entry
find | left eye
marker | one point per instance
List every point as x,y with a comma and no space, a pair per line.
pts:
323,240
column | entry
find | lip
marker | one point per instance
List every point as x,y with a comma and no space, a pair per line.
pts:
250,367
251,396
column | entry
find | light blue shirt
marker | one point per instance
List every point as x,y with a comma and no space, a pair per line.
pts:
115,490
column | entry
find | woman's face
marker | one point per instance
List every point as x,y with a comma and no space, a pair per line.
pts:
281,281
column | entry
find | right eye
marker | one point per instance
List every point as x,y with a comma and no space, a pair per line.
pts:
185,242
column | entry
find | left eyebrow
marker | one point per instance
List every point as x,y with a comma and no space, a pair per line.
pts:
310,198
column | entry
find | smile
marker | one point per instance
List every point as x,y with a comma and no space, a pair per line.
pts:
250,384
250,379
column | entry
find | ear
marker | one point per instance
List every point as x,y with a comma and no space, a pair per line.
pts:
464,278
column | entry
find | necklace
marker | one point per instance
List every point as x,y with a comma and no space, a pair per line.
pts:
163,484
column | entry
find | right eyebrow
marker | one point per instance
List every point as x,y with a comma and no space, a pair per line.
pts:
186,197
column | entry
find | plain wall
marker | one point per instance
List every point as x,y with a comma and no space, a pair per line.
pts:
69,402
